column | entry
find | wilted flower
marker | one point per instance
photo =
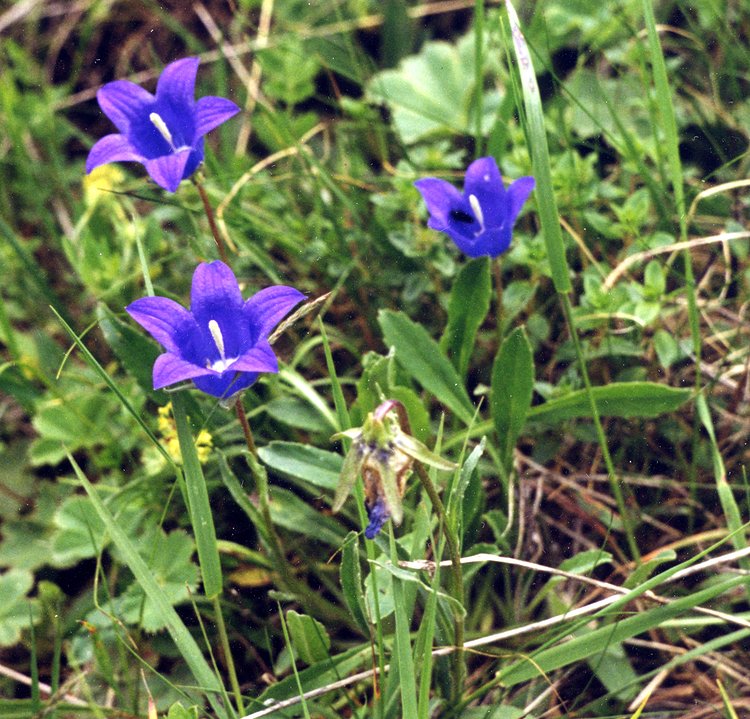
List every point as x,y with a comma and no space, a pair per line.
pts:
384,454
163,132
480,221
221,343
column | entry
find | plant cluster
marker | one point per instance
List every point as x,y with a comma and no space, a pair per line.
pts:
294,426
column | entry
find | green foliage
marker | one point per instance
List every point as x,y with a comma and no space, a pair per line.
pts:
227,579
309,638
429,92
16,610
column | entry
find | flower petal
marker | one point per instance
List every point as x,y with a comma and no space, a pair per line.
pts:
265,309
517,194
225,385
169,369
492,242
257,359
215,293
168,322
440,197
210,112
124,102
111,148
378,515
177,81
483,180
168,171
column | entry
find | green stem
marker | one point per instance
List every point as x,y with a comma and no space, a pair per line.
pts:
224,639
611,473
457,584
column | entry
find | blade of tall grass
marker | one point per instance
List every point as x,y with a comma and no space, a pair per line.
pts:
548,215
180,634
199,506
403,656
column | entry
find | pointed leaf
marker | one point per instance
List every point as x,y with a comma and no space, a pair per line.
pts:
469,304
512,387
309,637
350,574
421,357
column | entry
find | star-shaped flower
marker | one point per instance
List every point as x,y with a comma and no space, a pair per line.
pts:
480,221
163,132
221,343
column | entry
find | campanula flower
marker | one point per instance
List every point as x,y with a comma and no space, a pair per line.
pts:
383,453
480,221
164,132
221,343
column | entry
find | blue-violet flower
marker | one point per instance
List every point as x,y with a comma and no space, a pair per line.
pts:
221,343
164,132
480,221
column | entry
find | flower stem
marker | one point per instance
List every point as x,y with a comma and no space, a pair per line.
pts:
224,639
211,221
614,482
242,417
457,588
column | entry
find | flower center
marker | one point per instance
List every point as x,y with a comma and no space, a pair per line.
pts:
161,126
474,202
222,363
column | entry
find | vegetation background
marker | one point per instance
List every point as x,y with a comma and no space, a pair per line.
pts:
641,160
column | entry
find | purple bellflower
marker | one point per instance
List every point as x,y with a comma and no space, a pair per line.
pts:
164,132
480,221
221,343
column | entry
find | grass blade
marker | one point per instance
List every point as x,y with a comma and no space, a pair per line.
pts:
198,504
182,638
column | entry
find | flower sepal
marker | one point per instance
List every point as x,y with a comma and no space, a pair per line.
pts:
383,453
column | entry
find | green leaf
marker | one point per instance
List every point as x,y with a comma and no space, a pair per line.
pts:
80,533
381,577
79,422
298,413
309,637
421,357
317,467
512,387
667,348
619,399
15,584
177,711
199,506
412,577
294,514
350,575
469,304
455,509
169,558
430,93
